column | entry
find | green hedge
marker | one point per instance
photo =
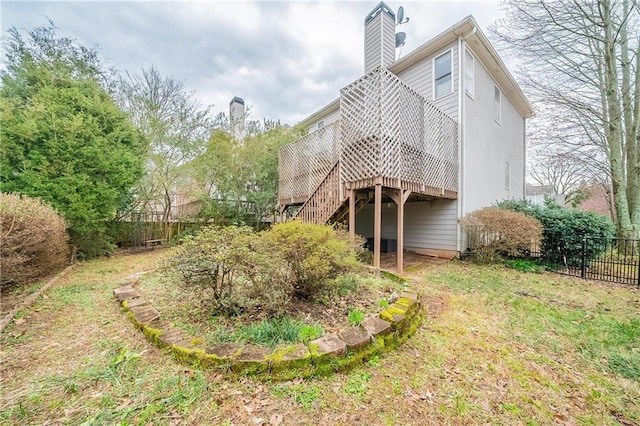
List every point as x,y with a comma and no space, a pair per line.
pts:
566,227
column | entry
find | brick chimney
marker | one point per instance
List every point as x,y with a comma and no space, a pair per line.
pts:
379,37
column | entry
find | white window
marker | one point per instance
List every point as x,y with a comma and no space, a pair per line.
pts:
442,82
320,124
468,73
507,175
497,104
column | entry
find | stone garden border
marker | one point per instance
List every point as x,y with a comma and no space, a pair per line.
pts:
332,352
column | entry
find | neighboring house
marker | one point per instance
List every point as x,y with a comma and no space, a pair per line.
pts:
598,200
538,194
183,203
414,144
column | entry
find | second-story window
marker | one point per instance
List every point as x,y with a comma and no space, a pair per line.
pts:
320,124
442,82
468,73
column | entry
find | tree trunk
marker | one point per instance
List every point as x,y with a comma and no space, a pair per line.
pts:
613,125
629,139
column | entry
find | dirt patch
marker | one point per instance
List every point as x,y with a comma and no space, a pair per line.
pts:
412,261
434,305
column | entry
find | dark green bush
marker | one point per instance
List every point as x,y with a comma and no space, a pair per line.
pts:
525,265
565,228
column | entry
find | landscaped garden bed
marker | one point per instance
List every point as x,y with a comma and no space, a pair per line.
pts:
288,302
349,300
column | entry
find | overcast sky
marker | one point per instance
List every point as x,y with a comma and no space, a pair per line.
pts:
286,59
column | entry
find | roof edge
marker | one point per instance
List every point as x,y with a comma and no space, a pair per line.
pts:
330,107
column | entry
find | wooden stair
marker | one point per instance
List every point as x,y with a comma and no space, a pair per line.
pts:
325,200
342,213
326,204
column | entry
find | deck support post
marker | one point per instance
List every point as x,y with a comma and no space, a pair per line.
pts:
377,225
400,197
352,212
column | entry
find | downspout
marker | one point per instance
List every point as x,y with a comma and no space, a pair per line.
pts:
524,158
460,141
462,126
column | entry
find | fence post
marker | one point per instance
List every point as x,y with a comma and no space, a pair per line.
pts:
638,266
583,266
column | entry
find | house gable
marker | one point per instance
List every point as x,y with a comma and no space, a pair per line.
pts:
409,133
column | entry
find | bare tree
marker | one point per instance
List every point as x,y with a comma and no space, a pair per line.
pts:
176,129
580,61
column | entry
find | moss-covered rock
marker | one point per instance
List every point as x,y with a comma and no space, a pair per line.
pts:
326,355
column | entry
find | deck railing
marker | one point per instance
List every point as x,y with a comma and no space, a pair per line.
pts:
389,130
305,163
386,129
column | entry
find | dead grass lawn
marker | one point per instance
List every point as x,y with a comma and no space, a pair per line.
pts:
497,347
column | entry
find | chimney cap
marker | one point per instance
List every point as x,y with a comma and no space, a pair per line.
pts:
236,100
382,7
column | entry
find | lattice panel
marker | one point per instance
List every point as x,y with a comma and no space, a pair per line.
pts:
360,114
303,164
325,200
386,130
389,130
441,148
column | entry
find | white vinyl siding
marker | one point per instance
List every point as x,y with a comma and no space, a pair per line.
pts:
497,104
487,146
420,78
468,73
443,75
324,121
428,225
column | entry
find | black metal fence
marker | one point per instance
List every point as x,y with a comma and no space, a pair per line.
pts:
605,259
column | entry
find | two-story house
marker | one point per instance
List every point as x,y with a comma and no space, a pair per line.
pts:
414,144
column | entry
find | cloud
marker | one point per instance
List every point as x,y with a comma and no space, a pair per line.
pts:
286,59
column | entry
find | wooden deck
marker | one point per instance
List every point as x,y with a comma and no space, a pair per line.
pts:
388,139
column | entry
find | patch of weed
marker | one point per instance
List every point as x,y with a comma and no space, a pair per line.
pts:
304,395
308,333
358,383
355,317
525,265
347,283
274,331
